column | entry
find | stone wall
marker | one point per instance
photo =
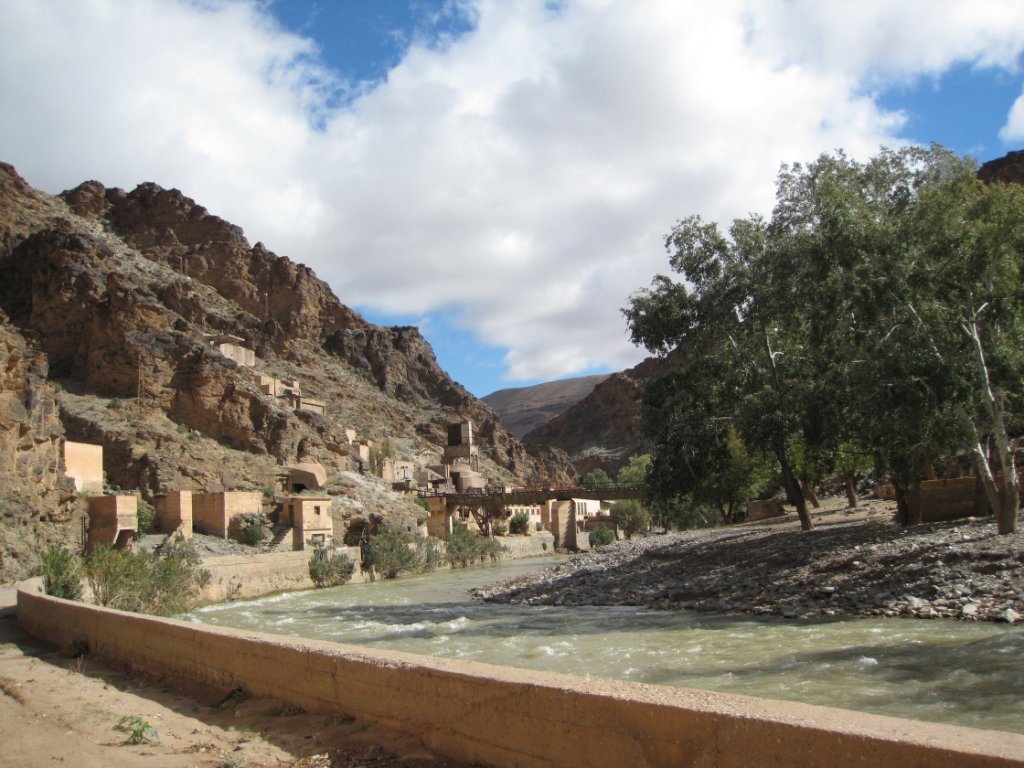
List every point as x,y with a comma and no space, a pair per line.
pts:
501,716
240,577
83,463
212,512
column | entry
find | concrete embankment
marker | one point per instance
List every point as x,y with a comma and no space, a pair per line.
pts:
510,717
244,576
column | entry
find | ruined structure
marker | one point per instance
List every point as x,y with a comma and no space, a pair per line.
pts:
113,521
310,518
83,464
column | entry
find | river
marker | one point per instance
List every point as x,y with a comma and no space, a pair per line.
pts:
953,672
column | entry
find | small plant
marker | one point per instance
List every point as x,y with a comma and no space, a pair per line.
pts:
499,528
139,731
252,535
520,523
62,574
389,553
268,492
464,548
430,553
601,536
146,517
330,569
540,526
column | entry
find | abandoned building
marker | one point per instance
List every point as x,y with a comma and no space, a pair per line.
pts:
83,465
113,520
310,520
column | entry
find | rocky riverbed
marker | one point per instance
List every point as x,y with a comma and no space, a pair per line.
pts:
854,563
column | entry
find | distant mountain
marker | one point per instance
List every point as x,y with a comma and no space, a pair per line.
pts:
601,431
1008,169
523,409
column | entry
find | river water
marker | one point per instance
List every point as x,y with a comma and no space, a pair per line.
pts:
954,672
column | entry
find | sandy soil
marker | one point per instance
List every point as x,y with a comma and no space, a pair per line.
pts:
56,709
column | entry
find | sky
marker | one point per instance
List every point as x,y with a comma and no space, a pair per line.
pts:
500,173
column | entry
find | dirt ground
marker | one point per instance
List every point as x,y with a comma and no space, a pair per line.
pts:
57,709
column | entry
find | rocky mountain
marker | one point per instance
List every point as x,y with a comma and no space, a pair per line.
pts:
523,409
1008,169
113,304
601,431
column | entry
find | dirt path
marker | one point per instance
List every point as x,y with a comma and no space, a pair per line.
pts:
56,709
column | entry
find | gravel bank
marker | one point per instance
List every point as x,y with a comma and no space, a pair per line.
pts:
852,564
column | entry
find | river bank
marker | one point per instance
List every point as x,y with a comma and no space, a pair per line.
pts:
854,563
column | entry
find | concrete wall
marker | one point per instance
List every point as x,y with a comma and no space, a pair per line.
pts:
83,463
536,544
212,512
949,499
761,509
510,717
239,577
174,513
113,520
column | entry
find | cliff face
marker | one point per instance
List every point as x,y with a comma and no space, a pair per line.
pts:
601,431
118,297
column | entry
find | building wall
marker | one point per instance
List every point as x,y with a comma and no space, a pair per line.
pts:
544,720
241,355
212,512
310,517
174,513
113,520
83,463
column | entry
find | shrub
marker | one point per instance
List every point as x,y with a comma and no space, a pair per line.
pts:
161,584
422,504
252,535
430,553
330,569
499,528
601,536
464,548
631,517
147,518
520,523
389,554
62,574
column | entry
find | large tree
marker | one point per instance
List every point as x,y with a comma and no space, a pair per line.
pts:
880,306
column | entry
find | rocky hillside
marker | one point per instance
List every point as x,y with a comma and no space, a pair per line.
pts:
1008,169
112,301
524,409
602,430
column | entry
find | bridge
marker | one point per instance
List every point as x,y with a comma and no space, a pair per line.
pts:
495,499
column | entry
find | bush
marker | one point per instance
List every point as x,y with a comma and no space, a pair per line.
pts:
429,553
147,517
520,523
161,584
464,548
62,574
252,535
389,554
631,517
330,569
498,528
601,536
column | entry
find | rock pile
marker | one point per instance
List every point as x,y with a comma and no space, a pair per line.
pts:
864,567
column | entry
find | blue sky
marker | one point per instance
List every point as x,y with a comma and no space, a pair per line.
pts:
498,172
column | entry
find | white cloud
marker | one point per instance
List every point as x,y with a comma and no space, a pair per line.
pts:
1013,130
522,175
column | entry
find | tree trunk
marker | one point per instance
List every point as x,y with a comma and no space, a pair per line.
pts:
851,491
792,486
809,494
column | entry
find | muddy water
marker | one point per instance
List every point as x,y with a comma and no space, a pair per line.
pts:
954,672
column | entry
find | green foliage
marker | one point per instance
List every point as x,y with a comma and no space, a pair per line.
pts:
423,504
380,453
601,536
631,517
161,584
499,528
390,553
252,535
146,517
520,523
139,731
635,471
330,569
463,548
596,479
62,574
880,306
429,553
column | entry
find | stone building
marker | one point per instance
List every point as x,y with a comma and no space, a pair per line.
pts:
113,520
212,512
174,513
310,518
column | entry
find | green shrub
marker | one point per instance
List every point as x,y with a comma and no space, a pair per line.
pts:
330,569
601,536
499,528
422,504
520,523
631,517
430,553
62,574
146,517
389,553
252,535
464,548
161,584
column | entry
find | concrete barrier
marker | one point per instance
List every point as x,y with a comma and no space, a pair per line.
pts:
510,717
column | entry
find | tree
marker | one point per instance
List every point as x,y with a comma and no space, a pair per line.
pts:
879,307
634,472
597,479
631,517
